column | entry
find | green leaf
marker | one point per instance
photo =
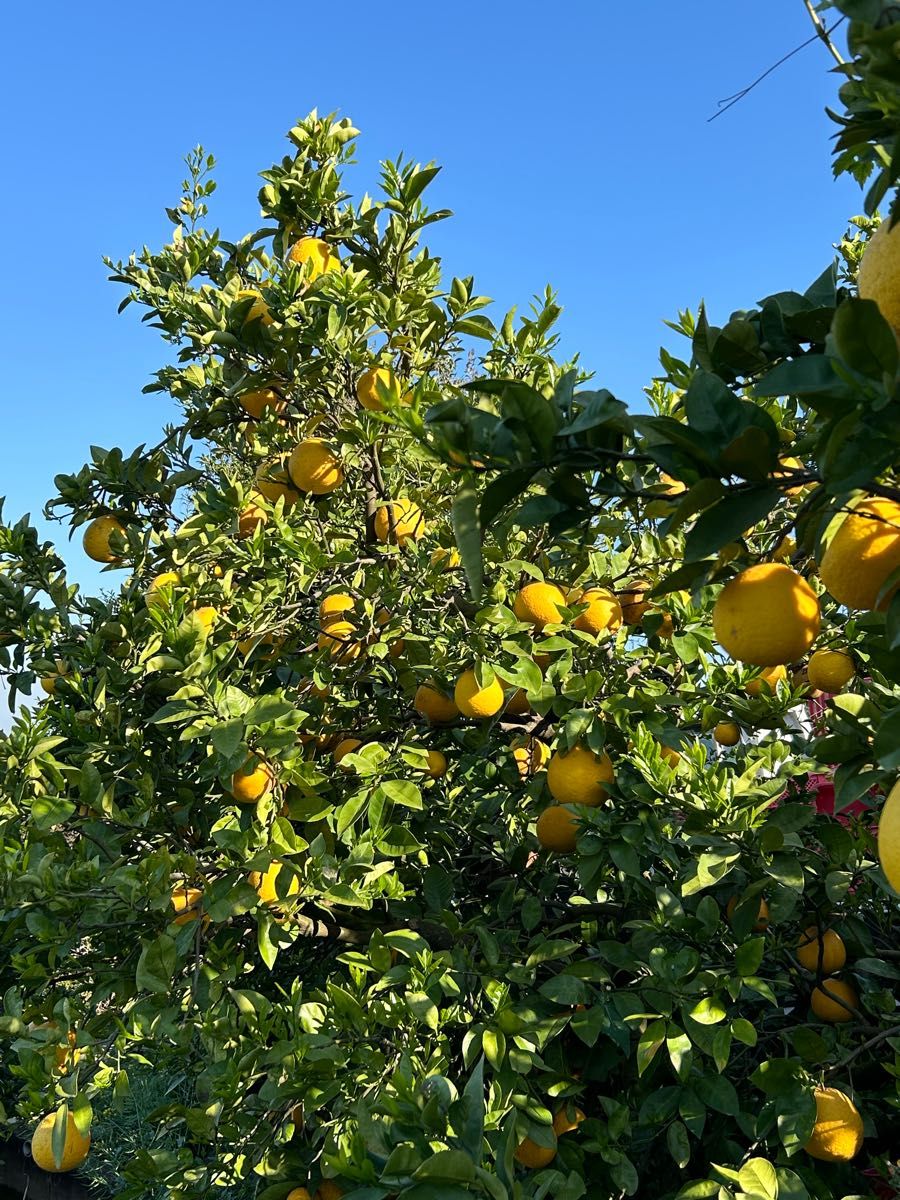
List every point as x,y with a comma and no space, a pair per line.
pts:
679,1144
887,741
437,887
757,1178
709,1011
650,1041
467,531
59,1134
227,737
728,520
749,955
719,1093
156,965
423,1008
493,1042
501,491
743,1030
467,1113
864,339
453,1165
712,408
699,1189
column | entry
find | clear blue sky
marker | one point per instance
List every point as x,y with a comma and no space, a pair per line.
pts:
575,146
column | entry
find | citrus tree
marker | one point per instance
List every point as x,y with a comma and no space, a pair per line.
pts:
428,814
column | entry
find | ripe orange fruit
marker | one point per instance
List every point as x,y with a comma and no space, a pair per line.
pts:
337,637
766,681
727,733
530,755
75,1149
472,700
603,612
837,1135
251,517
345,747
538,604
518,705
99,535
187,903
533,1156
399,522
314,467
825,1001
257,401
762,916
827,945
577,776
830,670
633,601
435,706
316,255
161,587
273,481
299,1193
437,764
863,553
252,782
767,615
563,1123
334,606
207,615
889,838
372,383
328,1189
557,829
258,310
264,882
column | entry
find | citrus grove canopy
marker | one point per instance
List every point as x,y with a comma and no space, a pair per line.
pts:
426,815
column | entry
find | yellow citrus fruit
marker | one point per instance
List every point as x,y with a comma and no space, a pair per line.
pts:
160,587
727,733
314,467
669,756
603,612
864,551
258,310
879,272
256,402
273,481
447,558
252,782
673,487
785,549
767,615
338,639
889,838
97,538
187,903
538,604
577,776
434,705
830,670
828,945
207,615
472,700
761,924
518,705
75,1149
316,252
437,764
264,882
399,522
334,606
766,681
329,1190
345,747
49,682
564,1123
250,518
633,601
372,383
557,829
825,1001
530,755
533,1156
837,1135
789,466
299,1193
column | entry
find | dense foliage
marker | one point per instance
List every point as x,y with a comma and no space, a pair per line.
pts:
371,970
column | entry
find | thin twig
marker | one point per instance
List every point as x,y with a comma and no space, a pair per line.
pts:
730,101
823,33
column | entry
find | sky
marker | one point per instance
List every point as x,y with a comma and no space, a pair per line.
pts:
576,150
